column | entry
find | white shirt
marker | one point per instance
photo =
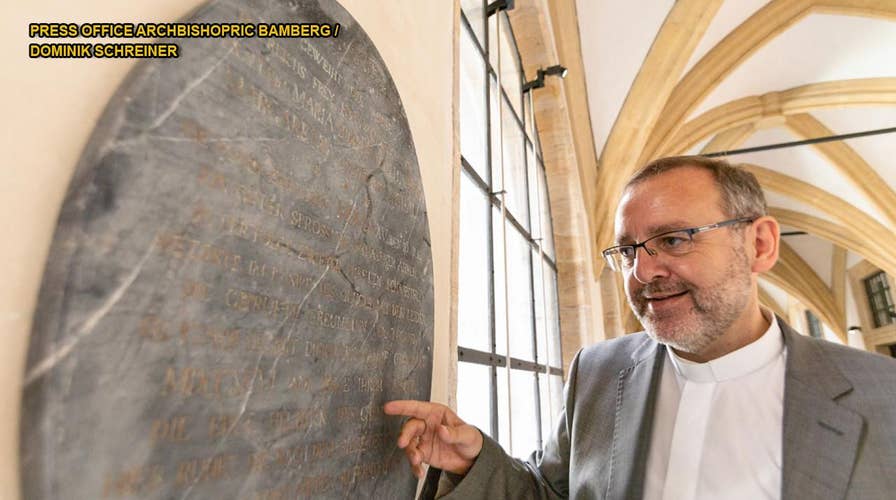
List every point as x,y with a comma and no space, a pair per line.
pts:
717,427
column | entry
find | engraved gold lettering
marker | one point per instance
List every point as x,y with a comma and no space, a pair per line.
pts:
200,215
376,255
239,228
264,344
300,384
186,383
195,333
392,239
407,269
173,430
184,248
280,52
321,61
286,457
354,383
286,421
393,334
372,277
280,115
352,415
140,480
317,111
198,470
194,290
259,461
215,384
319,451
322,89
325,350
153,328
220,425
245,301
310,225
403,289
338,322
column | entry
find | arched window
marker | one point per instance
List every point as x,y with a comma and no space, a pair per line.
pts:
507,275
880,301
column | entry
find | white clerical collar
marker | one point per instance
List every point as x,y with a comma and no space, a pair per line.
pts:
743,361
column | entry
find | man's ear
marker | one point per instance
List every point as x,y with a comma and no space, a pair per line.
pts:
766,243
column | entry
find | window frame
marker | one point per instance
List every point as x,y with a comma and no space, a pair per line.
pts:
877,286
813,324
542,368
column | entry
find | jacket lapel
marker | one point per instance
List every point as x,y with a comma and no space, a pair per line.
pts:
821,437
635,401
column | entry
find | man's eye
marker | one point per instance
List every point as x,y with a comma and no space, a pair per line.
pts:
627,252
671,241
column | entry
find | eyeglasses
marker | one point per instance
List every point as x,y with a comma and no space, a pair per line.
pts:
675,243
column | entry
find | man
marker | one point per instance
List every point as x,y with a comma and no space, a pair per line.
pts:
717,399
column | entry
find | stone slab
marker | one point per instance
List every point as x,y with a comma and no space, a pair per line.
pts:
241,276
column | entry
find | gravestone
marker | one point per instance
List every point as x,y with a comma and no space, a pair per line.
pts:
239,279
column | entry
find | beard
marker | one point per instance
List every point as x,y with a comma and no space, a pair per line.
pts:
714,307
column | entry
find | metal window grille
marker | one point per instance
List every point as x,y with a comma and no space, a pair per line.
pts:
517,214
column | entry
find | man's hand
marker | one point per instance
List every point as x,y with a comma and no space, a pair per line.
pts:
436,436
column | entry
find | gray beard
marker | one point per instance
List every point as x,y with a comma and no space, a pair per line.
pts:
715,308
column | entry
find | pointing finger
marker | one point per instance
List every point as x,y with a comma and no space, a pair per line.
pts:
410,408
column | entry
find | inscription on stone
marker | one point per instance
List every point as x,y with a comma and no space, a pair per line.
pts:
240,278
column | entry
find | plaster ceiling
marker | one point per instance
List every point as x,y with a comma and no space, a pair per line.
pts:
818,48
821,46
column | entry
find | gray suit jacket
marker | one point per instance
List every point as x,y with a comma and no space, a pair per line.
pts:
839,429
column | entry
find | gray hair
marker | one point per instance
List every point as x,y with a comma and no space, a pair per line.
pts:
740,192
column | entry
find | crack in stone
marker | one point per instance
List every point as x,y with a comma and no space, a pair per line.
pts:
416,365
316,283
372,328
58,354
164,109
192,85
230,429
350,282
339,64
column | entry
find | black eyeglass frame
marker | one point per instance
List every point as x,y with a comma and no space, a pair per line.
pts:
691,231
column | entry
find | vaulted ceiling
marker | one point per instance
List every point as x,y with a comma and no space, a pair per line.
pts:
668,77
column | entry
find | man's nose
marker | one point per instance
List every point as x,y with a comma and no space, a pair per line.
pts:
648,266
